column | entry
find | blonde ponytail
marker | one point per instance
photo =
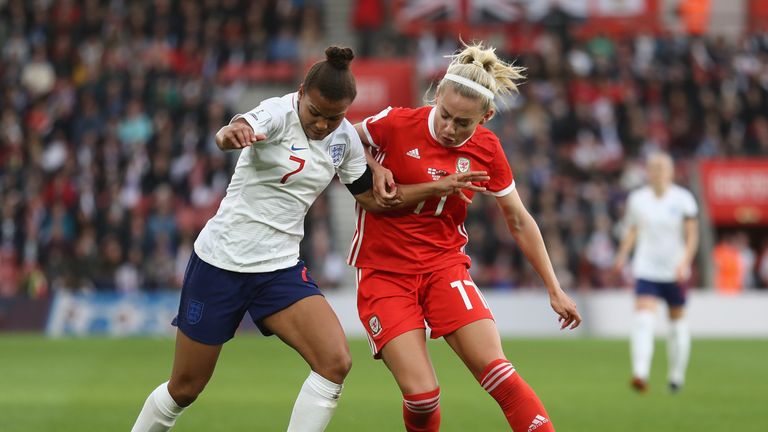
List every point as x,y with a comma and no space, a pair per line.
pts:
481,66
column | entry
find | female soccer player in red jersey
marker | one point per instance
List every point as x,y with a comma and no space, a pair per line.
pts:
411,265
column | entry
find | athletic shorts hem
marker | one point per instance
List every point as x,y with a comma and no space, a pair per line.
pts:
381,343
202,340
260,321
459,325
673,293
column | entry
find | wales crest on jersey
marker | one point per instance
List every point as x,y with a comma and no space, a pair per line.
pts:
462,165
337,153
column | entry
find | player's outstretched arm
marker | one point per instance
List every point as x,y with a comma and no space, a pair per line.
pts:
411,195
237,135
451,184
527,235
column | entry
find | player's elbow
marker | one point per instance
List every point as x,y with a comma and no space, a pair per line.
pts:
371,206
517,222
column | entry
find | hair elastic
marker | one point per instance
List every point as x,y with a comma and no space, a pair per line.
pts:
471,84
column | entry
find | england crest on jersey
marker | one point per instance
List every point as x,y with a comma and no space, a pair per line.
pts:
337,153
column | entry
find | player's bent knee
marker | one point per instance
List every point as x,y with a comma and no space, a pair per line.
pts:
185,391
334,367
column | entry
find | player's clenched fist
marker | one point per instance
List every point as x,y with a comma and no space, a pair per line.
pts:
237,135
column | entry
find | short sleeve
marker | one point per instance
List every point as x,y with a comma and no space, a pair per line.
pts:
262,119
354,163
690,208
376,128
502,181
631,217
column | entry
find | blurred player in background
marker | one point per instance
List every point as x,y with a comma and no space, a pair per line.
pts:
411,264
662,228
247,256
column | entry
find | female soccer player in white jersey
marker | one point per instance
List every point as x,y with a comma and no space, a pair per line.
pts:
661,223
247,256
411,265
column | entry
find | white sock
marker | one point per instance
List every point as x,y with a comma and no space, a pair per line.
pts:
315,405
159,412
641,344
678,349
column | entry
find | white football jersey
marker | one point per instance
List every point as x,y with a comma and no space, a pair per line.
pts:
260,221
660,231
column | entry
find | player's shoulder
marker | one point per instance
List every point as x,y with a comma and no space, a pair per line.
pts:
278,106
680,191
346,132
640,193
485,137
406,112
403,114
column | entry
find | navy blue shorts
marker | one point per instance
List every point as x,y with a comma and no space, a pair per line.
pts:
214,301
671,292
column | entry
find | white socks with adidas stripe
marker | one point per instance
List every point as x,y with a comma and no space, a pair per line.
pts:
159,412
678,350
641,344
315,405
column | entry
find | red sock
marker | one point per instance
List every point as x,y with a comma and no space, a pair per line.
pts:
421,412
521,406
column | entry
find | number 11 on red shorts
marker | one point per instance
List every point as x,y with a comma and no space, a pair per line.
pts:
390,304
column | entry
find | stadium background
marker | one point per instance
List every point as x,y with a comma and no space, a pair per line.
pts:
108,171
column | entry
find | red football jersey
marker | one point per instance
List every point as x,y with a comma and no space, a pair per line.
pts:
430,235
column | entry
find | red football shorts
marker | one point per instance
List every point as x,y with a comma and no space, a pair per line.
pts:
390,304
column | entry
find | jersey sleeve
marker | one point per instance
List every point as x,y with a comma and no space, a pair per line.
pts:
264,119
502,181
690,208
354,163
631,217
376,128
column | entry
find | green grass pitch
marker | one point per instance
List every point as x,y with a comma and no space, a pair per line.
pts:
101,384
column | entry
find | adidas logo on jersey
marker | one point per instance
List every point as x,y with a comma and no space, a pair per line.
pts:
414,153
539,420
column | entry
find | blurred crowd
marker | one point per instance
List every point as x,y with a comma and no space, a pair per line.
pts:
108,166
579,132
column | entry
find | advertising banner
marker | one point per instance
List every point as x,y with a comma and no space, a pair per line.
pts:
381,83
757,16
476,16
736,191
113,314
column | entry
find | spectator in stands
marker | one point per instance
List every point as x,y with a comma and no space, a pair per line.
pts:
128,98
112,105
762,265
729,266
367,20
748,259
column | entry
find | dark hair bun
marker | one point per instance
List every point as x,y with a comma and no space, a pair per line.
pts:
339,57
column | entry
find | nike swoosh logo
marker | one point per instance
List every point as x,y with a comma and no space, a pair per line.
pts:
294,148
